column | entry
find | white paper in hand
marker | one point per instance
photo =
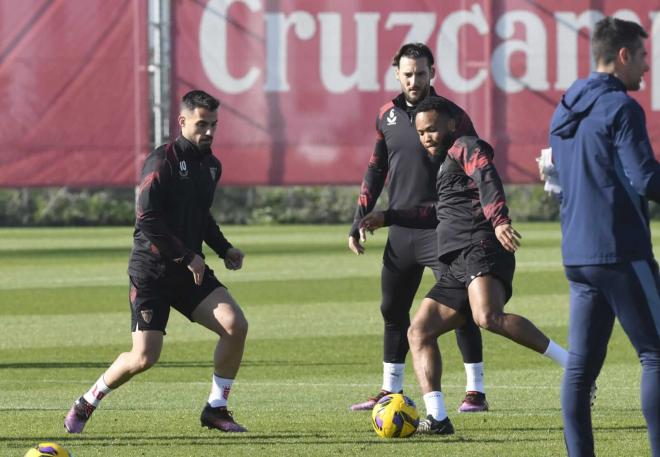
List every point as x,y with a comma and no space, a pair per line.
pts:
548,172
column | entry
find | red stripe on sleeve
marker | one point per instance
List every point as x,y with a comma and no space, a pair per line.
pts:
477,160
145,184
493,212
385,108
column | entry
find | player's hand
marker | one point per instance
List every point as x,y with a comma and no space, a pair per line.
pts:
372,221
234,259
508,237
197,267
355,246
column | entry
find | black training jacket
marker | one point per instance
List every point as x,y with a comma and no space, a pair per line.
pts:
400,158
173,210
471,200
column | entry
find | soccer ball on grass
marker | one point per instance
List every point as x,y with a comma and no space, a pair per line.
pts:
395,416
48,450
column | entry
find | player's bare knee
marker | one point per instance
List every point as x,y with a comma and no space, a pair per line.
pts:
489,321
237,327
143,361
413,337
417,335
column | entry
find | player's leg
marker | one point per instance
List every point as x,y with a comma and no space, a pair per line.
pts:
590,326
149,316
431,320
488,270
398,289
147,345
145,352
487,297
468,339
398,292
400,278
220,313
637,306
468,336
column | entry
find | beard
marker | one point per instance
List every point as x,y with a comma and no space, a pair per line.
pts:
441,150
204,147
421,95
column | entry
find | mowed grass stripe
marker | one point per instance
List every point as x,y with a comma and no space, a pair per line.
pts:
295,319
98,299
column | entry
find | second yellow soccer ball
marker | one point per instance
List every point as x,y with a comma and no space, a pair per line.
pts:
48,450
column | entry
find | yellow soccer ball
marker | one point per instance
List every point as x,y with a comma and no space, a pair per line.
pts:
395,416
48,450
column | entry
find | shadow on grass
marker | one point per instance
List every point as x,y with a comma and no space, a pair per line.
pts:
302,438
235,439
172,364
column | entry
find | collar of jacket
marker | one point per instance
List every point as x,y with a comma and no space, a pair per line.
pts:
400,100
608,78
188,149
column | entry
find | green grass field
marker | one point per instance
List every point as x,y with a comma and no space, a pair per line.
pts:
314,347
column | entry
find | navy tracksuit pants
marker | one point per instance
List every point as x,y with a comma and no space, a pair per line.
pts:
599,293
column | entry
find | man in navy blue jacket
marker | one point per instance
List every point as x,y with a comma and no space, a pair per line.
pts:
607,172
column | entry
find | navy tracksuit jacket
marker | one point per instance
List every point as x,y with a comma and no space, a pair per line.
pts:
607,171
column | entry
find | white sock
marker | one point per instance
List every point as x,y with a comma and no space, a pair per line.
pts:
474,373
556,353
435,405
99,390
220,388
393,376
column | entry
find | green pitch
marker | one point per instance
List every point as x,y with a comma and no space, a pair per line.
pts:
314,347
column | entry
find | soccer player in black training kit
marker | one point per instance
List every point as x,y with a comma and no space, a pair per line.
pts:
400,158
167,267
476,245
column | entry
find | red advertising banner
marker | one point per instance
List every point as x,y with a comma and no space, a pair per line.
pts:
74,91
301,81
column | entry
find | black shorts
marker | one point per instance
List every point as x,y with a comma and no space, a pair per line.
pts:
409,248
151,299
486,257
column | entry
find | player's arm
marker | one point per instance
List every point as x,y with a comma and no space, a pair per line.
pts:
635,151
151,206
214,237
370,189
423,217
216,240
477,162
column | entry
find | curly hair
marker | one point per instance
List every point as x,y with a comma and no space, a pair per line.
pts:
413,51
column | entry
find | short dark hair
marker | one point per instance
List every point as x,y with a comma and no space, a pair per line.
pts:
413,51
199,99
611,34
438,104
